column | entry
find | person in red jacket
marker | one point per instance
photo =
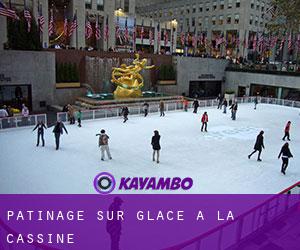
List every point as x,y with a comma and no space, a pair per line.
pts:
204,121
287,131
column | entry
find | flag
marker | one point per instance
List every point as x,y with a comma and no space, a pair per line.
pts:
220,40
88,28
255,42
261,43
51,23
126,34
97,30
118,31
290,44
151,34
4,11
166,36
134,35
65,25
142,32
106,30
282,43
182,38
194,39
41,19
27,17
73,26
273,41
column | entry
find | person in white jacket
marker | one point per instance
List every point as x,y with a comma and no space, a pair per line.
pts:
25,111
103,144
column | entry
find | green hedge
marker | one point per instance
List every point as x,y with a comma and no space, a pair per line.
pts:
67,72
167,72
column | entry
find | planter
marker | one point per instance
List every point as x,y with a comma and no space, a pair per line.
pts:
229,97
166,82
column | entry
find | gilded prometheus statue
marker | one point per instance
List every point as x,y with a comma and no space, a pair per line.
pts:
128,79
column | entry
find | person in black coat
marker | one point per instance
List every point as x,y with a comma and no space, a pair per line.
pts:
225,104
196,106
58,130
286,154
125,113
156,145
259,145
234,108
40,132
146,108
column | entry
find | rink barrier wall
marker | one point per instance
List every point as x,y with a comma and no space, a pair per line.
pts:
115,110
231,234
21,121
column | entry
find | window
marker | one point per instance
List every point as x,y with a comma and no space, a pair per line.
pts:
261,24
126,6
256,21
187,22
229,19
213,20
215,5
207,6
193,21
206,22
221,20
257,5
200,21
100,4
88,4
236,18
182,11
188,10
262,7
194,8
238,3
229,4
222,5
252,4
201,8
251,20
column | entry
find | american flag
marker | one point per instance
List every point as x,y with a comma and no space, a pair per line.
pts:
142,32
51,23
166,36
4,11
261,42
118,31
290,44
182,38
41,20
97,30
255,42
220,40
126,34
282,43
74,25
65,26
106,30
273,42
194,39
27,17
134,35
88,28
151,34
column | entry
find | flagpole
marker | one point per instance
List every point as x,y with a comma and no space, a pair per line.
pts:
76,30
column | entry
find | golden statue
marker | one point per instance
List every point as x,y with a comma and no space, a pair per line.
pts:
128,79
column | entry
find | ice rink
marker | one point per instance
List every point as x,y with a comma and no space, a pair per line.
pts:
217,160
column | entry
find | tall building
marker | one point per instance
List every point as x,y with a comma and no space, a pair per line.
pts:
230,25
114,21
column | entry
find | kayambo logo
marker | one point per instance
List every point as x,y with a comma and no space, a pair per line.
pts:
105,183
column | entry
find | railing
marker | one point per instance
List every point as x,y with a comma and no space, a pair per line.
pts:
233,233
21,121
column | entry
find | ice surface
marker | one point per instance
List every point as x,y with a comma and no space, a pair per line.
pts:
217,161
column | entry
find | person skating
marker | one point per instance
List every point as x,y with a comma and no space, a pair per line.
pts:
58,131
259,145
286,154
125,113
146,108
162,108
40,132
220,101
287,131
204,121
225,104
103,144
71,113
195,106
255,102
79,117
185,105
234,108
155,142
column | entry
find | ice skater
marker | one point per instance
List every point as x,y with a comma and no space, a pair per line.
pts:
287,131
220,101
156,145
286,154
234,108
225,104
103,144
71,113
162,108
185,105
125,113
259,145
204,121
40,132
255,102
146,109
79,117
58,131
195,106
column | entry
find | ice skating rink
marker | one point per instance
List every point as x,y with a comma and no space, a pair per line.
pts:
217,161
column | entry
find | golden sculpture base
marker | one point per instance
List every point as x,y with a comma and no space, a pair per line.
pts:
121,93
